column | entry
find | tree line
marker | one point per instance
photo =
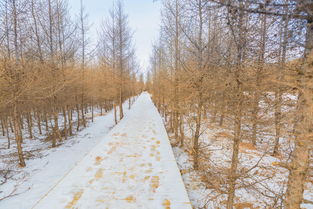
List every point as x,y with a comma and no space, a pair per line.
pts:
243,65
52,77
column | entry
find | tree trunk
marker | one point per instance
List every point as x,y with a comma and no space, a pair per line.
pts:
78,117
2,127
297,175
11,126
257,92
65,122
29,124
197,132
255,112
181,130
278,93
235,156
92,114
18,136
70,124
46,122
299,165
121,103
300,157
21,121
83,115
39,122
171,121
56,130
278,99
8,134
115,112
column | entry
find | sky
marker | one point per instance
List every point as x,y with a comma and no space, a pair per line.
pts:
144,19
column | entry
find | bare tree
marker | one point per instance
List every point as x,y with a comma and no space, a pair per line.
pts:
116,48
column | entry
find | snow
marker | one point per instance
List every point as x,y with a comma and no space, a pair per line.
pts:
133,166
203,195
49,165
216,149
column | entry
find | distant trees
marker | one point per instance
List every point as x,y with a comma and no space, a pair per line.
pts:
232,57
116,51
47,84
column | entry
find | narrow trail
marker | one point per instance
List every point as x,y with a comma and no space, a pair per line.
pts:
132,167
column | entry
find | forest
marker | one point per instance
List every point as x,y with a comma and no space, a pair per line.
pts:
46,70
231,79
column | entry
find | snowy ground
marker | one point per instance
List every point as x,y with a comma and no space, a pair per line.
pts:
48,165
262,182
131,167
267,179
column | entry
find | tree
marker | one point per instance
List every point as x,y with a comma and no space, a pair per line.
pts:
43,52
116,49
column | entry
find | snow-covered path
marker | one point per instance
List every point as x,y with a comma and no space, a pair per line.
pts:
132,167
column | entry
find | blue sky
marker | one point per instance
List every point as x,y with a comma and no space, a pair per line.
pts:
144,19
